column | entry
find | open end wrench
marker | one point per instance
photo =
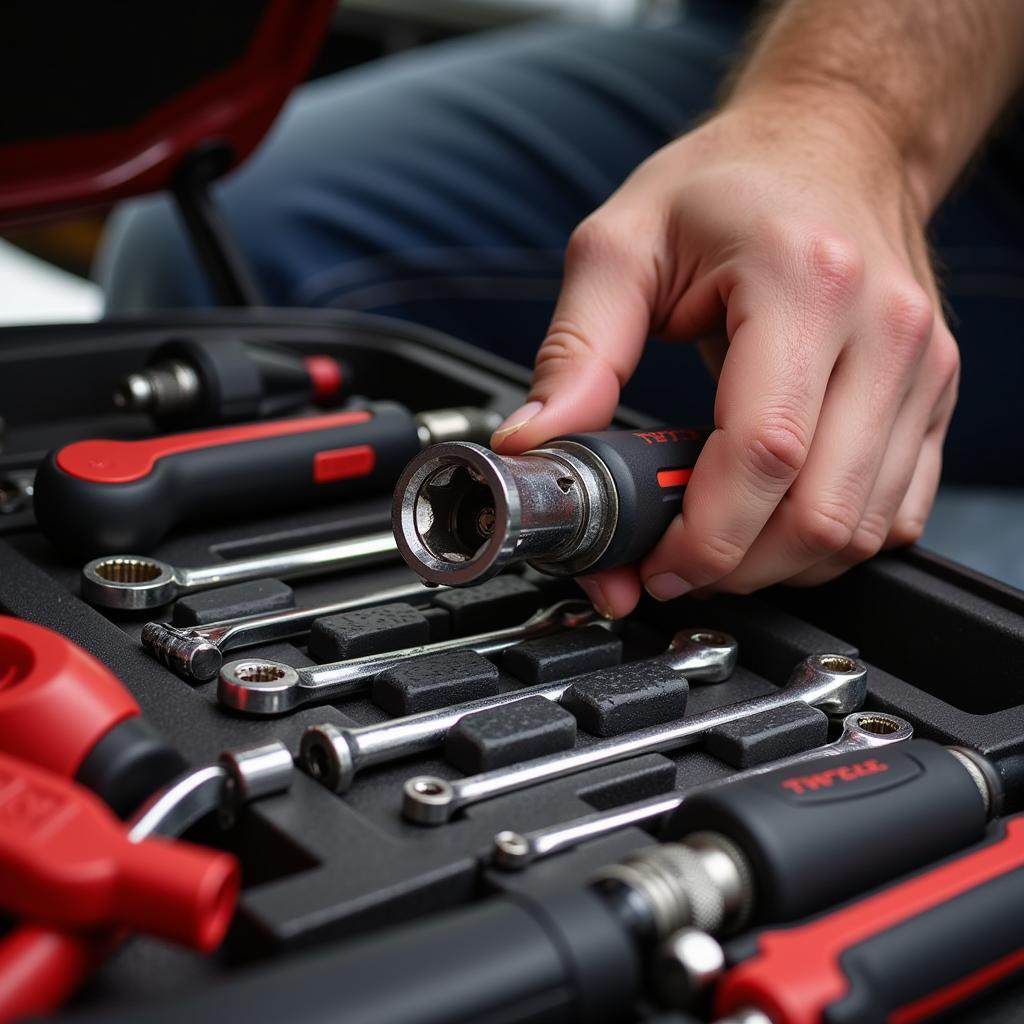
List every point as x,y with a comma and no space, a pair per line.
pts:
833,682
334,755
197,652
514,851
272,688
136,582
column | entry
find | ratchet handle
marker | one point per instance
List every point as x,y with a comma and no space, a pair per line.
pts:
103,496
62,710
649,470
65,860
870,816
903,954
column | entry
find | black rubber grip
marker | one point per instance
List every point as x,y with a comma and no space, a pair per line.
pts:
904,953
556,959
103,497
650,470
824,830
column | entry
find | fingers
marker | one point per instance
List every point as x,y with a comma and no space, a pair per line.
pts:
614,592
594,342
862,457
785,340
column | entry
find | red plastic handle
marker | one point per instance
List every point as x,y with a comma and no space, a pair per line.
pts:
56,701
106,461
66,860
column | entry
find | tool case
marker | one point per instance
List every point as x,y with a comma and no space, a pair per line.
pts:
943,645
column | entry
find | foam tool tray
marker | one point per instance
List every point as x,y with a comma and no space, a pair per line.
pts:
944,649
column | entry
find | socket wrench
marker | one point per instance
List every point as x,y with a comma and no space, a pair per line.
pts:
136,582
197,652
334,755
862,730
833,682
273,688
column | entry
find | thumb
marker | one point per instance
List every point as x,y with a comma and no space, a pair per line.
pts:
593,345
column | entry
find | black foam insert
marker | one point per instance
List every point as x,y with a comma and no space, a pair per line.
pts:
627,697
434,681
388,627
503,601
254,598
513,732
563,655
769,736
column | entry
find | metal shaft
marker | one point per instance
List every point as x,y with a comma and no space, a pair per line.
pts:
196,652
271,688
833,682
516,850
334,755
135,582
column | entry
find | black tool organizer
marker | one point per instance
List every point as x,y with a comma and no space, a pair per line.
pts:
944,647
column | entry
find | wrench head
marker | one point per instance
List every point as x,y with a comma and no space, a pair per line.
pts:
703,655
512,851
875,729
128,582
833,682
258,687
427,800
326,754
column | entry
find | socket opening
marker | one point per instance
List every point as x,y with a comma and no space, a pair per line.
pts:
128,570
879,725
428,787
259,673
455,513
710,637
316,761
837,663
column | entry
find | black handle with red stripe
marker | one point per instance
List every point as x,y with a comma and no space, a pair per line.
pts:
103,496
903,954
650,470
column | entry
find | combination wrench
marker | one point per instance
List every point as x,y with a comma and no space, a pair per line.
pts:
513,851
334,755
833,682
197,652
136,582
273,688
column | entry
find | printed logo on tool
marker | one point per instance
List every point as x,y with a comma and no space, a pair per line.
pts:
844,773
671,435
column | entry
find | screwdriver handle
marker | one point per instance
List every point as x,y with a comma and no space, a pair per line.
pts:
103,496
649,471
902,954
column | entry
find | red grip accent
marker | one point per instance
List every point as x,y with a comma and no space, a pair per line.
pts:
797,975
674,477
56,701
66,860
106,461
325,375
343,463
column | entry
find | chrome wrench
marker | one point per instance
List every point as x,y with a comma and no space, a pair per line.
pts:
832,682
273,688
513,851
137,582
197,652
334,755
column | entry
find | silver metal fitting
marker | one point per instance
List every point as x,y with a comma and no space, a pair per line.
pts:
163,388
685,966
704,882
253,772
462,423
461,513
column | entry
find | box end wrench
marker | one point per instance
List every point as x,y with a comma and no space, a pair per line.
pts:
333,755
833,682
197,652
273,688
137,582
513,851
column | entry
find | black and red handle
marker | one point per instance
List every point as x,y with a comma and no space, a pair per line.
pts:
103,496
900,955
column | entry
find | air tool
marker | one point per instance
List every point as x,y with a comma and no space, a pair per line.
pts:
582,503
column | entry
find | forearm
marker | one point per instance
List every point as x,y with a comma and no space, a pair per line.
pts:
923,78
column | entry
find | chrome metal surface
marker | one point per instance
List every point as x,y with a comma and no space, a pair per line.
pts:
334,755
196,652
137,582
834,683
271,688
516,850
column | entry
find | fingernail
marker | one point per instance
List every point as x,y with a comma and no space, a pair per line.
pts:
516,421
666,585
596,596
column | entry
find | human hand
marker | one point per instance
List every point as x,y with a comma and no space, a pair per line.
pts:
788,245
